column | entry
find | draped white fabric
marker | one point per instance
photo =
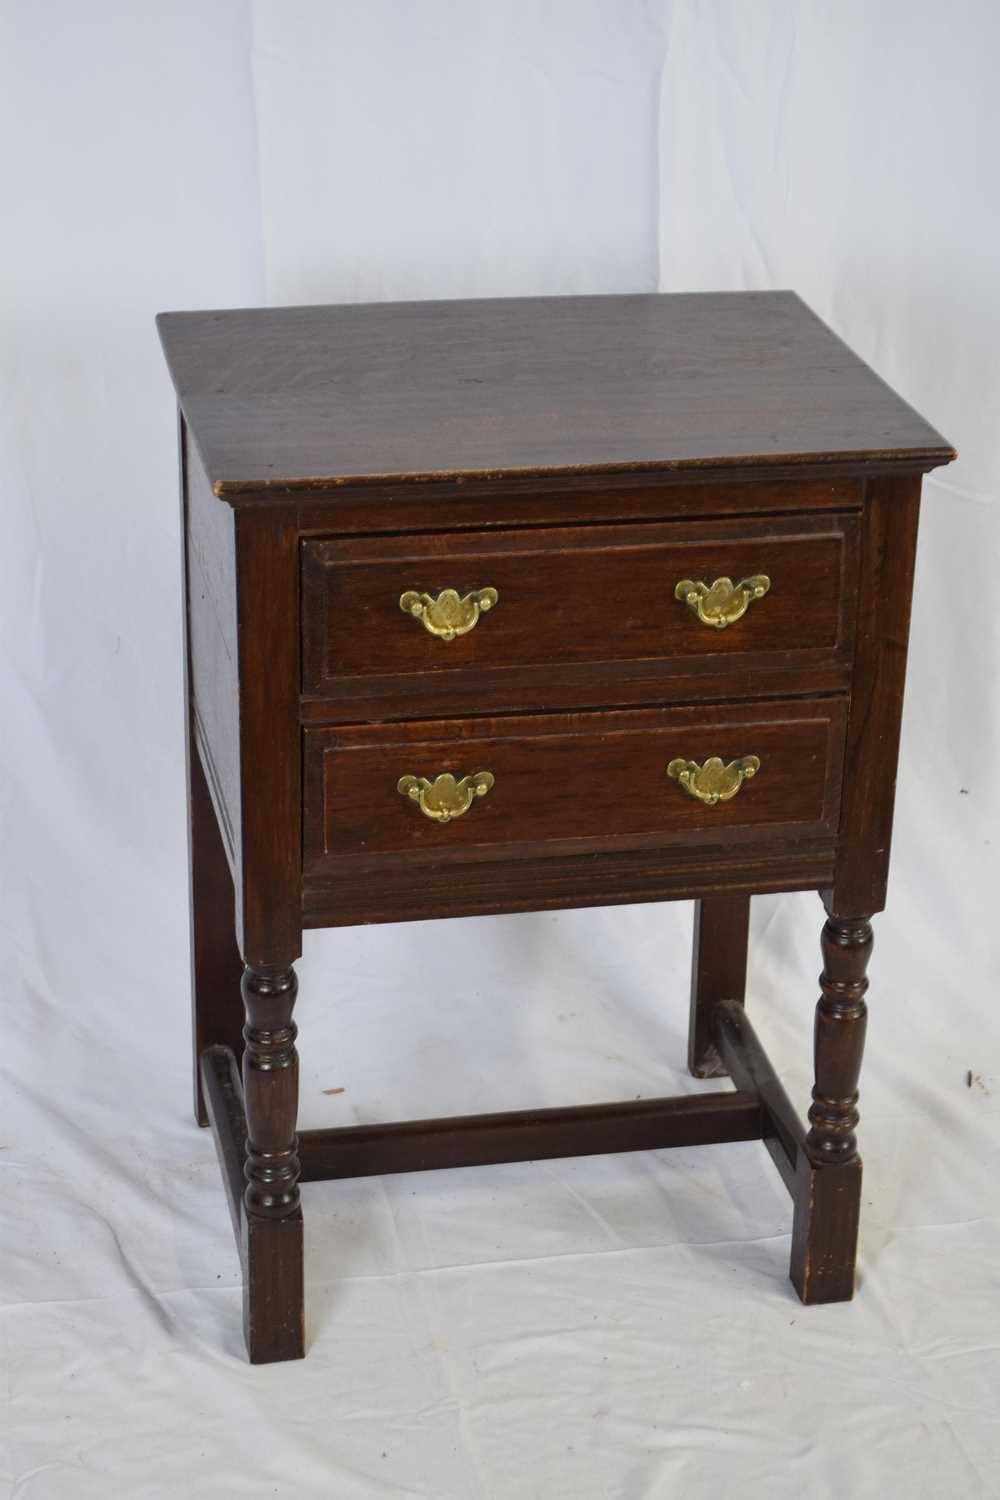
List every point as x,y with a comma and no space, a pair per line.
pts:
616,1326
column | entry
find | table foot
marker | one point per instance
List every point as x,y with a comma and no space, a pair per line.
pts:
825,1230
270,1250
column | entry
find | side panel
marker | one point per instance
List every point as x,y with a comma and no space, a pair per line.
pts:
212,643
243,624
267,594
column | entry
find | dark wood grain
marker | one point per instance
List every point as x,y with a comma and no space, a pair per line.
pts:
273,1288
457,505
270,751
718,972
490,887
211,626
270,1248
570,783
889,543
841,1018
242,587
313,397
825,1229
599,597
530,1135
744,1058
576,685
270,1091
272,1221
828,1191
222,1088
216,965
579,455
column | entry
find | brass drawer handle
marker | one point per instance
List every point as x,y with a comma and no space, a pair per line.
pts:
444,798
448,615
714,781
723,602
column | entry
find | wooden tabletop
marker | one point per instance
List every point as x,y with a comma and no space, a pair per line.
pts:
324,396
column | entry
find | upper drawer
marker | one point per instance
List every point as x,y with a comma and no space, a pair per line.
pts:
600,603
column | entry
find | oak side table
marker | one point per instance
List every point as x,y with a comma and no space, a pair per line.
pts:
509,605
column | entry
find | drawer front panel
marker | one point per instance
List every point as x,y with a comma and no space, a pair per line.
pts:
571,784
590,600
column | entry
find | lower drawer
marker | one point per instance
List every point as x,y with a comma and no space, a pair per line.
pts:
485,789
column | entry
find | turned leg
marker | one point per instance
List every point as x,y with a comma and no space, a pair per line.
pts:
272,1284
828,1186
718,972
216,965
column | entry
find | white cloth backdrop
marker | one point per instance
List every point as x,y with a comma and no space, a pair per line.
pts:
604,1327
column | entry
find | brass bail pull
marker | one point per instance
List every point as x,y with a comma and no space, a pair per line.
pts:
448,615
723,602
714,781
444,798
